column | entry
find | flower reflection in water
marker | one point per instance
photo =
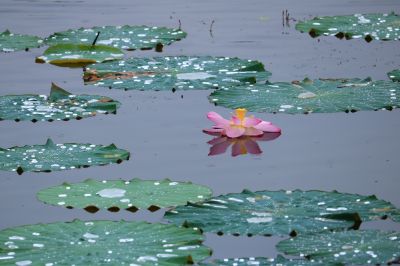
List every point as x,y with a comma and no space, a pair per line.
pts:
241,145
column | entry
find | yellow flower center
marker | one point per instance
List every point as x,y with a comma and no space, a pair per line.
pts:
241,113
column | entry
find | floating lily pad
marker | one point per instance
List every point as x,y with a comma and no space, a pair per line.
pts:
123,37
77,55
182,72
56,157
60,105
368,26
10,42
394,75
278,261
281,212
370,247
101,242
132,195
307,96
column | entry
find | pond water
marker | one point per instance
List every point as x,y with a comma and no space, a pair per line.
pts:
356,153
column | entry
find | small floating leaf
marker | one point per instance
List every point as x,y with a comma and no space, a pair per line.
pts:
394,75
123,37
10,42
281,212
347,247
55,157
77,55
278,261
131,195
173,73
60,105
318,96
101,242
368,26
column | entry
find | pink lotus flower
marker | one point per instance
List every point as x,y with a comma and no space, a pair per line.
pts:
239,125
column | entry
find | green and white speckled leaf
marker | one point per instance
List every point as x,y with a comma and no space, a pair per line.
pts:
278,261
307,96
394,75
369,247
368,26
101,242
175,73
132,195
281,212
123,37
60,105
10,42
56,157
77,55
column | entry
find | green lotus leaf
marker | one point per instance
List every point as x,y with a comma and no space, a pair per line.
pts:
369,247
281,212
307,96
77,55
132,195
278,261
368,26
100,243
56,157
394,75
60,105
11,42
181,72
123,37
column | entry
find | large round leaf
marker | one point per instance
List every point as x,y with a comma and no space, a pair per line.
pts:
10,42
60,105
368,26
394,75
55,157
281,212
370,247
307,96
132,195
77,55
124,37
278,261
180,72
100,243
